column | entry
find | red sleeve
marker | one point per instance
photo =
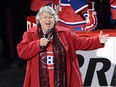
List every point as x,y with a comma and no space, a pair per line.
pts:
84,43
87,43
28,47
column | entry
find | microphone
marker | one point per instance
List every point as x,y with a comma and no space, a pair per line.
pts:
46,36
47,33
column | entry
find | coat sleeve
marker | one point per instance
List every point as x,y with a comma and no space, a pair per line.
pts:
85,43
28,48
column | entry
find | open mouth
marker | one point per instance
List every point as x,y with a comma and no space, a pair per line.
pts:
48,25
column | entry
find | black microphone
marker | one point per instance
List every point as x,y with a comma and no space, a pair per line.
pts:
47,33
46,36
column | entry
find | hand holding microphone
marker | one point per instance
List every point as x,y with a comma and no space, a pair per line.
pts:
44,41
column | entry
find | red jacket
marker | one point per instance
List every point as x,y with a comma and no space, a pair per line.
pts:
29,49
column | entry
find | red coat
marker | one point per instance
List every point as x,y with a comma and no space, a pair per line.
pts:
29,49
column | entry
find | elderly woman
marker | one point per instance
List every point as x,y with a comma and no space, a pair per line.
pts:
50,52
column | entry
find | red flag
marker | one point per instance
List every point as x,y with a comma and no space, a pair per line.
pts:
37,4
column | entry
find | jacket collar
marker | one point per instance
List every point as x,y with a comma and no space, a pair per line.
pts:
59,28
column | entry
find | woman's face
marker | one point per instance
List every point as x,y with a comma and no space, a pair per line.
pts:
47,21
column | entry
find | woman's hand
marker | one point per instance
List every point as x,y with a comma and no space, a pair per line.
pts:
44,41
103,38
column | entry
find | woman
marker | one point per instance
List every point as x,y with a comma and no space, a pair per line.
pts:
50,52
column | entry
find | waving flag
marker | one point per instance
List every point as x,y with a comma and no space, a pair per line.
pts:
70,13
36,4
